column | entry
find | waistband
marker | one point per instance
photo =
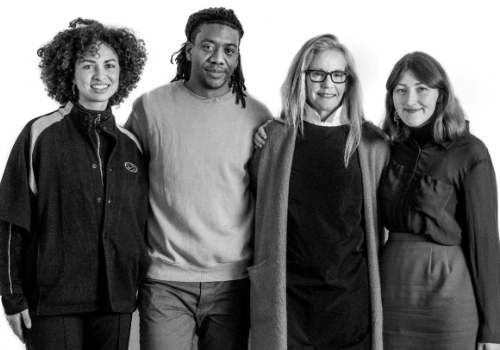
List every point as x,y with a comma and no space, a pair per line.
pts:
409,237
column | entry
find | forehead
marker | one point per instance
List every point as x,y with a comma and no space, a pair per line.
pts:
105,52
328,61
408,78
218,33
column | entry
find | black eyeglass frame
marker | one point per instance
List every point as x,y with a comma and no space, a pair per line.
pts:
345,74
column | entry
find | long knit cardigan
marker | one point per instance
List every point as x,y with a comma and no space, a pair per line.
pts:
270,173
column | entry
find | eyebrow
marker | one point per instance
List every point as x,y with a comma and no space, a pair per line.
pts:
213,42
322,70
93,61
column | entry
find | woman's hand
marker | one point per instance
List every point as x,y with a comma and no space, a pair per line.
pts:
260,137
16,325
488,346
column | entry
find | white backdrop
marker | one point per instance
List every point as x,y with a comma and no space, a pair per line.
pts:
463,36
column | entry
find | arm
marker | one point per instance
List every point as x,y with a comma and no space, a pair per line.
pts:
136,123
12,243
480,196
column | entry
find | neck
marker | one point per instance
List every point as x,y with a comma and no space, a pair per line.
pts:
208,93
94,106
423,134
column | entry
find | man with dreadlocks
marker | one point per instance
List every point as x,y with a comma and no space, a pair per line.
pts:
197,133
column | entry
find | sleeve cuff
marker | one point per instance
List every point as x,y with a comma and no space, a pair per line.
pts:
14,303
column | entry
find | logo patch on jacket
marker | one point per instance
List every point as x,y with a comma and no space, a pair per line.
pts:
130,167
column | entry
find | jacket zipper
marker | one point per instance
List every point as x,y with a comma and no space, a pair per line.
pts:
97,121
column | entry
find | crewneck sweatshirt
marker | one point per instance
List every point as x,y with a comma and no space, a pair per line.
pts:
201,219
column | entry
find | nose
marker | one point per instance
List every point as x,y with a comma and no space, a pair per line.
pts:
217,57
412,98
328,82
98,73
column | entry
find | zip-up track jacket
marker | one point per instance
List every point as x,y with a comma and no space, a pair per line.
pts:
73,207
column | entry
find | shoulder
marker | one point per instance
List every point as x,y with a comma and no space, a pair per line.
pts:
157,95
374,143
130,136
372,133
38,125
374,137
257,108
471,149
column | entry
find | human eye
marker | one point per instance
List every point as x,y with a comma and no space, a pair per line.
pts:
422,89
230,51
208,47
110,66
338,74
87,66
400,91
317,74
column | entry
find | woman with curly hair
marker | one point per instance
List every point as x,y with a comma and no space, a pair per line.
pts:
73,199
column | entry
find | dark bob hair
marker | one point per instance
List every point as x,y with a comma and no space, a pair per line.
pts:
58,58
449,117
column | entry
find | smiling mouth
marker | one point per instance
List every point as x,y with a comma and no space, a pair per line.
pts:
411,111
327,95
99,87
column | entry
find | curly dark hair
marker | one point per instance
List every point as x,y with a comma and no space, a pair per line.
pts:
212,15
59,56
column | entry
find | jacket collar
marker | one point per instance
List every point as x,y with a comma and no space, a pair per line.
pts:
88,120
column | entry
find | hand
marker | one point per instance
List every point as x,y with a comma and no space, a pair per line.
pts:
488,346
260,137
16,325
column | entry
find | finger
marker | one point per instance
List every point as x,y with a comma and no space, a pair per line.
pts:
26,318
261,133
18,331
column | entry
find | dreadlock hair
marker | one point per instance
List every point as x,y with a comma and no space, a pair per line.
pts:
58,58
212,15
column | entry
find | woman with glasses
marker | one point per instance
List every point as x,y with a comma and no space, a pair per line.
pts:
315,280
441,266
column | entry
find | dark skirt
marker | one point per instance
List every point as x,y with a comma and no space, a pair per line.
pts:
427,296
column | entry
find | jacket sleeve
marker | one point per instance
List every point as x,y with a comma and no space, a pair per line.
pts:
16,197
13,241
481,210
15,192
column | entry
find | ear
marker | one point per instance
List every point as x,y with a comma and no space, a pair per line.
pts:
440,97
189,49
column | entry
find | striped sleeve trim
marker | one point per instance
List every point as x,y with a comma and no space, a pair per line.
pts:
36,129
9,258
131,136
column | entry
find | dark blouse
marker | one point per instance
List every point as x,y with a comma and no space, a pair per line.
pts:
327,279
448,193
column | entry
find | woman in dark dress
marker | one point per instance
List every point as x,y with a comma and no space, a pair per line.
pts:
74,201
441,265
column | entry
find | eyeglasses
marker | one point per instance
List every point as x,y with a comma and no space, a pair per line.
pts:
319,76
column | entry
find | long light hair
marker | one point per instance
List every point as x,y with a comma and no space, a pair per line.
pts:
293,91
449,118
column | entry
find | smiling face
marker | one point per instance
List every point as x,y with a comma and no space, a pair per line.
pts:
214,57
97,77
326,97
414,101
